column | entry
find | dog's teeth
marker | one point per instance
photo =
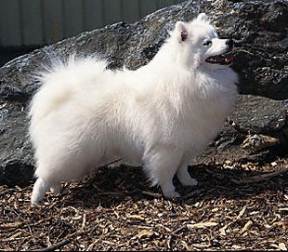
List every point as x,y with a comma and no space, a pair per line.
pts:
219,59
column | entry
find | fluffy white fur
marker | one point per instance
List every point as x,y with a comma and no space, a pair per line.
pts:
159,116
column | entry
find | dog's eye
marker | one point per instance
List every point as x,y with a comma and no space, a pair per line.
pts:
207,43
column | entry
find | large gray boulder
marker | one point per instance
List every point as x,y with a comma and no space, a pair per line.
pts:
261,31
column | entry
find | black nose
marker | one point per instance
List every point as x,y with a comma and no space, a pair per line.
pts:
230,43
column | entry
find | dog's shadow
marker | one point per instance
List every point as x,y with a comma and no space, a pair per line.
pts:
112,186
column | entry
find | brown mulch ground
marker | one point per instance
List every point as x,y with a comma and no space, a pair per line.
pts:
118,211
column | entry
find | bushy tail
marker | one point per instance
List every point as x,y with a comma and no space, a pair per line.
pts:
74,63
55,80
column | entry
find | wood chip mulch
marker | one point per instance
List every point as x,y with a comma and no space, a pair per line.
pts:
237,205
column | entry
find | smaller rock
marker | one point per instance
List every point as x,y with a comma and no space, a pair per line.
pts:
259,142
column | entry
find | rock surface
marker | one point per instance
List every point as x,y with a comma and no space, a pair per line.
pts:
261,31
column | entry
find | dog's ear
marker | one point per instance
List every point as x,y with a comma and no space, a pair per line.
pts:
203,17
181,31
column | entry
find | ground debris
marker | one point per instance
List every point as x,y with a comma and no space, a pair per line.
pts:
119,211
201,225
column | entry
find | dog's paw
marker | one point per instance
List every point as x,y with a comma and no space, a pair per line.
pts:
56,189
34,202
171,194
188,181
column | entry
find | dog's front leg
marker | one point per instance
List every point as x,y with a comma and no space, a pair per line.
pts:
161,165
184,176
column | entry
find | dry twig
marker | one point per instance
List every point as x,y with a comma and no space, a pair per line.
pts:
55,246
259,178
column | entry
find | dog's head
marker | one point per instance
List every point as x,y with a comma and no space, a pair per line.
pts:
199,44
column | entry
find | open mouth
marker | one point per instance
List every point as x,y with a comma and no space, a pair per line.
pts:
223,59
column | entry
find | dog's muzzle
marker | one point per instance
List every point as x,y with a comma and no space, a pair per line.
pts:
225,58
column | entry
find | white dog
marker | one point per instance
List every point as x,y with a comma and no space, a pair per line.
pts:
159,116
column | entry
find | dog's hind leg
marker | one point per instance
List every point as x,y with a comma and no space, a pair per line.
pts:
39,189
